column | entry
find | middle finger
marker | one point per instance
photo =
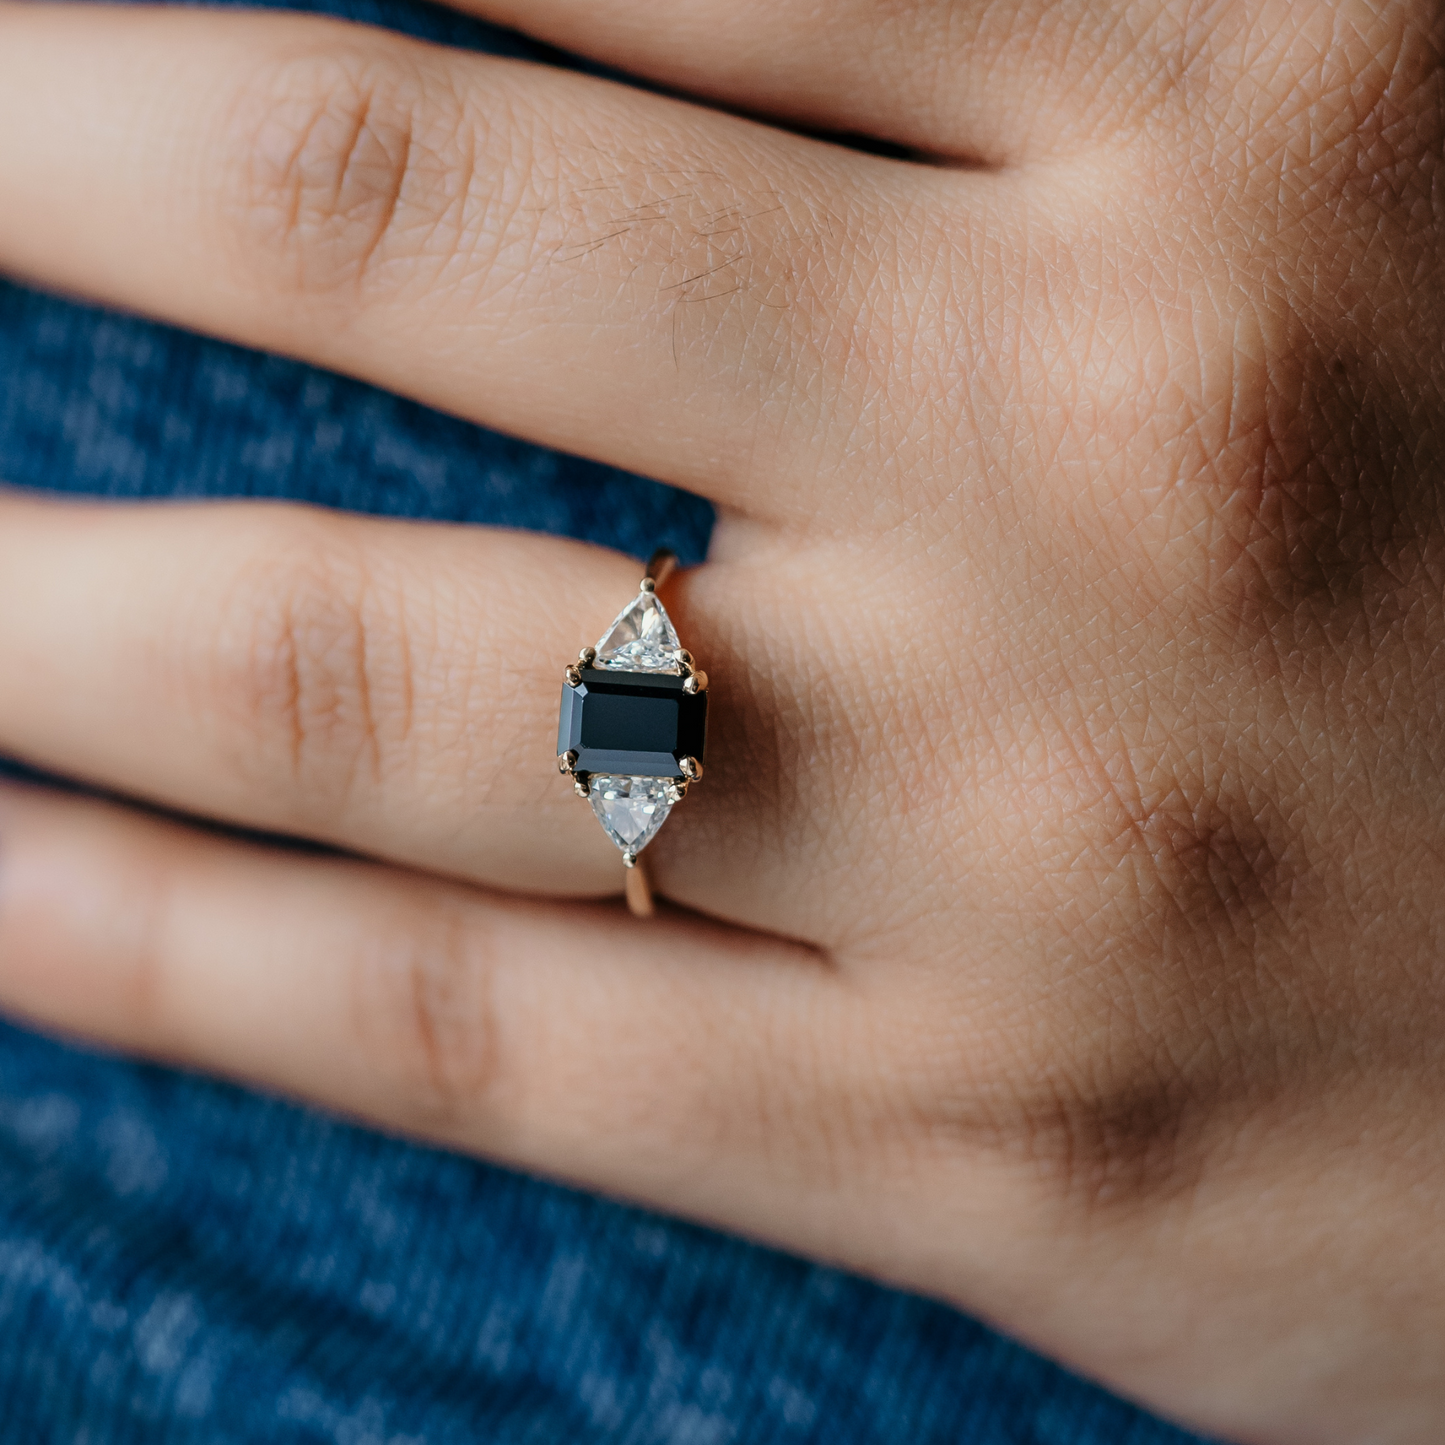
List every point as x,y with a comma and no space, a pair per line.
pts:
617,274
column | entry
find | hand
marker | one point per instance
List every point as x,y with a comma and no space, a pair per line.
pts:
1059,925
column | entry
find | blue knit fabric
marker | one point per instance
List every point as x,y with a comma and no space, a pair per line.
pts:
184,1261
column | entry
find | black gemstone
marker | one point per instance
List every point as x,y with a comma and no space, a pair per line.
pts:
640,724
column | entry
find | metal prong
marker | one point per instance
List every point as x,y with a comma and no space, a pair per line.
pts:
587,656
567,762
685,658
676,789
573,675
629,859
582,787
660,566
695,684
648,585
691,770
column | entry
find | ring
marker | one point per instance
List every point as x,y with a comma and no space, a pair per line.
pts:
633,726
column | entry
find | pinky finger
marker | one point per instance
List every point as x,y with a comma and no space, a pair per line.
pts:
645,1060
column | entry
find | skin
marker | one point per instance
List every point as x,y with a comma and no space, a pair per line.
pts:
1058,928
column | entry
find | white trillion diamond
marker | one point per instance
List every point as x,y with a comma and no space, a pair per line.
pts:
642,639
630,809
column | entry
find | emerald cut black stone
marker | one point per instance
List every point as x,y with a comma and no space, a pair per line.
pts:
640,724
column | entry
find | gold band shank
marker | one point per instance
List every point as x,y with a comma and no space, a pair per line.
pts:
639,889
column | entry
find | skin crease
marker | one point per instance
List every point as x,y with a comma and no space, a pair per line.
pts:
1059,923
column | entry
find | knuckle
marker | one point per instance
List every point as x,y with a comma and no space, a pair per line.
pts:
312,672
1304,497
1202,867
423,1012
1185,879
1158,1002
348,164
1091,1117
359,174
1277,475
1112,1143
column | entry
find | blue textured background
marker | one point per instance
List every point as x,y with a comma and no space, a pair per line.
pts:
183,1261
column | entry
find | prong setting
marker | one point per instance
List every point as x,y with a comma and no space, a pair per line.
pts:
632,726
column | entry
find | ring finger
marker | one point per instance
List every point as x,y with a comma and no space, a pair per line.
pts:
387,688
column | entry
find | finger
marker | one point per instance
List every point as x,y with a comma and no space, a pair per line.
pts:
996,84
393,689
605,271
388,688
666,1061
